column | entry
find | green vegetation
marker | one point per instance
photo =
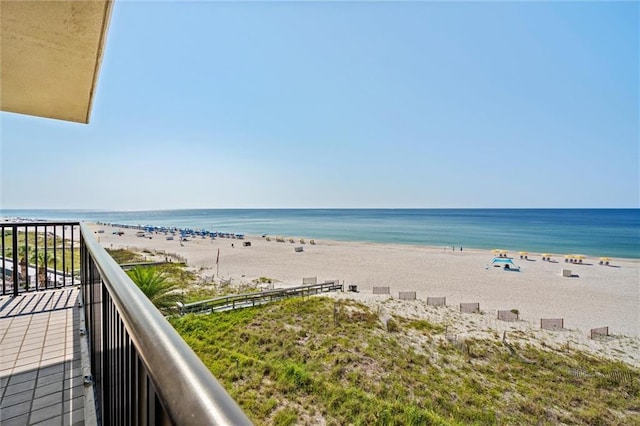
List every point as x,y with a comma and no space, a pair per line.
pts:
163,284
202,292
59,255
185,288
304,360
425,326
212,290
160,290
123,257
177,273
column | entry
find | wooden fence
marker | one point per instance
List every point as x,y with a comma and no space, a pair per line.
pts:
407,295
552,323
599,332
470,308
436,301
508,315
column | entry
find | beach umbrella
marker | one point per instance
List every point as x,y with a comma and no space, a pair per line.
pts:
497,252
605,258
503,253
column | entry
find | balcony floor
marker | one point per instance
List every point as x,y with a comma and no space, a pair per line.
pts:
41,380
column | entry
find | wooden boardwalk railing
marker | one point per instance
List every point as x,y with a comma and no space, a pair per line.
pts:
237,301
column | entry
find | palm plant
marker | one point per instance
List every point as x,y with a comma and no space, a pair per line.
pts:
43,259
24,253
156,286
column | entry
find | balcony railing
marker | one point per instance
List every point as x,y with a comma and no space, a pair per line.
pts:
38,256
143,372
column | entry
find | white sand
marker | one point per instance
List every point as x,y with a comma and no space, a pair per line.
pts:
599,295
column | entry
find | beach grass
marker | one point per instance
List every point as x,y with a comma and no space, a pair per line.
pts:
302,360
191,288
124,256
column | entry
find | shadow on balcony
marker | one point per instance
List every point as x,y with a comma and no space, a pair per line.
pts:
41,380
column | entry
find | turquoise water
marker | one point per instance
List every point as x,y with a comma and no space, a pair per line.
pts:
592,232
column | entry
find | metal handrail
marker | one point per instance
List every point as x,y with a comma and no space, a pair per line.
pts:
187,389
15,282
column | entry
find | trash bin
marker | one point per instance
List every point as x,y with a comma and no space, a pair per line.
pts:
353,288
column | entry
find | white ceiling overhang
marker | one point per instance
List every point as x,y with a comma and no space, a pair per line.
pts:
50,55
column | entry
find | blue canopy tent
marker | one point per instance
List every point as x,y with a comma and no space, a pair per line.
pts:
504,263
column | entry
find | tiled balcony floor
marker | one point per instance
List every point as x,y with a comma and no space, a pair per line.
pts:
41,379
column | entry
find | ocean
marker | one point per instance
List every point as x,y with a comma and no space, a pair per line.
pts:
591,232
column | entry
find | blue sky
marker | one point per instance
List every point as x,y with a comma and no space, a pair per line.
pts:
362,104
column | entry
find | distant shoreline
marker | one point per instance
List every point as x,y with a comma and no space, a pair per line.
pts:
556,257
591,232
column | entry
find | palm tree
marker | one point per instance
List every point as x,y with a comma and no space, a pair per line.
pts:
24,254
155,285
42,259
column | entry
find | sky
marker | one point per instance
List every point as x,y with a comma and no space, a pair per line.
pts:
346,105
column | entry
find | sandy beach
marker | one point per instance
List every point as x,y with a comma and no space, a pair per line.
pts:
596,296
